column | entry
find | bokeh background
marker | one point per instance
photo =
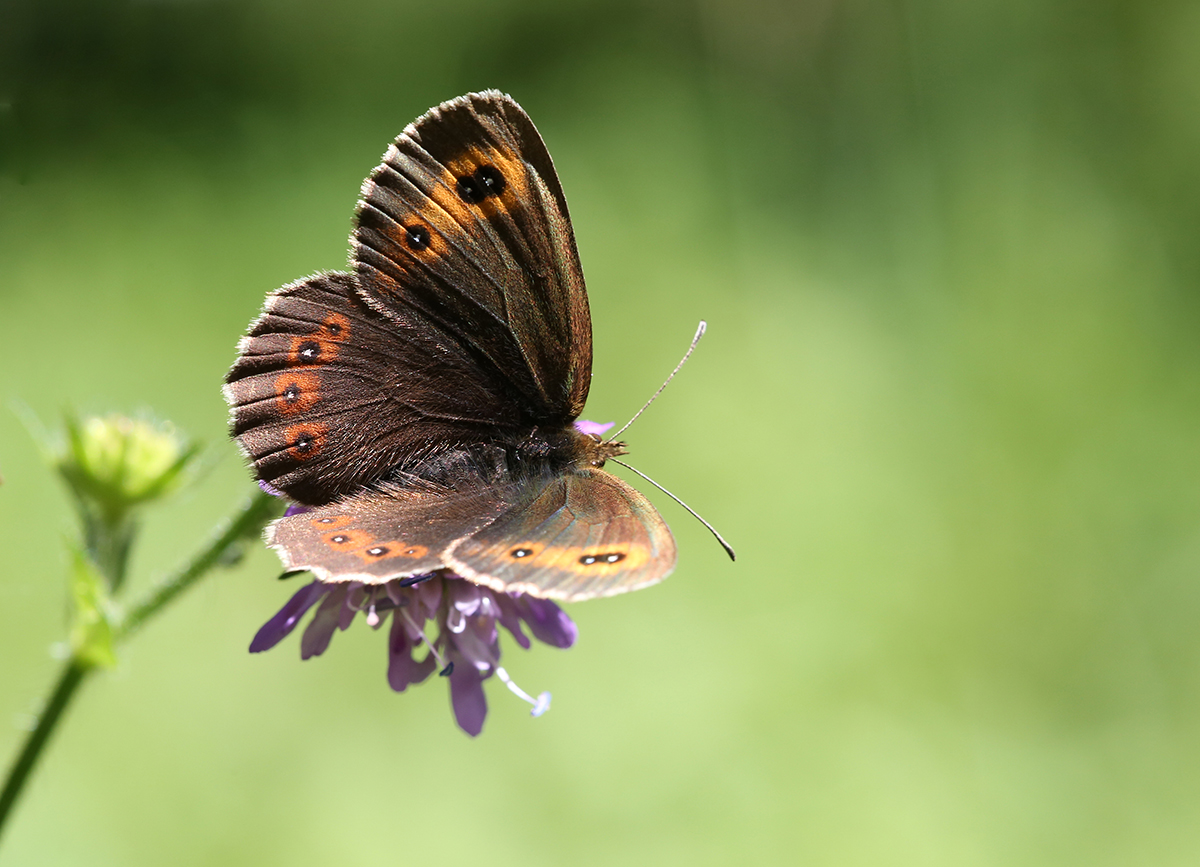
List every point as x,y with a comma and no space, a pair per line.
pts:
947,411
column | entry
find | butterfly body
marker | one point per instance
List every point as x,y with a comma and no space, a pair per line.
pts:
424,404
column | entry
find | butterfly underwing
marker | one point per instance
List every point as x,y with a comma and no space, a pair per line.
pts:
424,404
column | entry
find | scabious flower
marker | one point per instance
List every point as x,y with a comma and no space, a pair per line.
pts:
466,648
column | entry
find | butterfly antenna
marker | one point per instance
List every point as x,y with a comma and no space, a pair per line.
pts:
699,333
728,548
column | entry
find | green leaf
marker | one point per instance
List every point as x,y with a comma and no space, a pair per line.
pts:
92,632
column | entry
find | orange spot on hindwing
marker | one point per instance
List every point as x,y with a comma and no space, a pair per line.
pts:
387,550
340,537
346,540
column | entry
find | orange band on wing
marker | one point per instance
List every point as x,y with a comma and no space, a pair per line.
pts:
600,560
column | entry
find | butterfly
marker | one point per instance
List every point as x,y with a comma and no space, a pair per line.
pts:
424,404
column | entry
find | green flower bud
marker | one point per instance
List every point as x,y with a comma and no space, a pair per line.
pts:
113,463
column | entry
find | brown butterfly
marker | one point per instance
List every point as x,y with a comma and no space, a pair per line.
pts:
425,404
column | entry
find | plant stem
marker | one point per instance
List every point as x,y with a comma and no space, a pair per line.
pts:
68,682
246,522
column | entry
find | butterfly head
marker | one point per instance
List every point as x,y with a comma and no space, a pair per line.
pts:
595,451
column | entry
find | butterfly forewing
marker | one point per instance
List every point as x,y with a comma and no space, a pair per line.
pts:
465,225
578,536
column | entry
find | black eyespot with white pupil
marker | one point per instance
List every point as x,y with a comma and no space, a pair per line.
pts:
487,181
521,553
291,394
310,350
339,539
377,551
593,559
304,442
417,237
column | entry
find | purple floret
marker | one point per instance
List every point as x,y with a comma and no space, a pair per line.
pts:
465,645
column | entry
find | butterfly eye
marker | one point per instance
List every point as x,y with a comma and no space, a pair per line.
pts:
417,237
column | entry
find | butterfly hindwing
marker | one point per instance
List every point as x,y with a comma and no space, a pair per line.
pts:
465,225
376,536
580,535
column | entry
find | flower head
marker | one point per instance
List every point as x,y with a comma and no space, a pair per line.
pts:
465,649
115,463
466,646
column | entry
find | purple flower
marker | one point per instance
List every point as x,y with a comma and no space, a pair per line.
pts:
292,509
466,648
591,428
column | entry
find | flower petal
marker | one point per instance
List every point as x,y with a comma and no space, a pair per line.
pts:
319,632
467,698
402,668
476,643
598,428
396,593
356,596
466,597
275,629
268,488
429,595
547,621
510,619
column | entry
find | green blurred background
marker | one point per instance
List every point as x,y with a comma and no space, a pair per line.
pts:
947,411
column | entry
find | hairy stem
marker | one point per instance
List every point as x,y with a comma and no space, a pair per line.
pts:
244,523
72,676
